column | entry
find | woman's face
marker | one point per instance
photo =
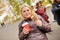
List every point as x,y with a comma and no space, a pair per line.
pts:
26,12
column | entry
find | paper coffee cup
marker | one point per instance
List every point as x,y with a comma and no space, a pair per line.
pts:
26,26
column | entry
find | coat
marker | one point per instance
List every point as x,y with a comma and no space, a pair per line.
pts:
35,32
56,12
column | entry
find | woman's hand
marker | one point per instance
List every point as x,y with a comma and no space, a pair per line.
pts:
37,21
25,31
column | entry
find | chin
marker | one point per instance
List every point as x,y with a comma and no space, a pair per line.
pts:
28,16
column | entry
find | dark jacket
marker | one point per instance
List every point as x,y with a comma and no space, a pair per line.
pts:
55,7
56,12
35,33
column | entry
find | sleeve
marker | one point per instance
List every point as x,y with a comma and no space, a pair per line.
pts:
46,27
54,7
21,35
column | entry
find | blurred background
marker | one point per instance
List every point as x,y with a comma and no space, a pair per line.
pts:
9,9
10,18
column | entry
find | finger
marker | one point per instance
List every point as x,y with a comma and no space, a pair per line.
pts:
25,31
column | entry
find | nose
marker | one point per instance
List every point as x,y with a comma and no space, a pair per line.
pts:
27,12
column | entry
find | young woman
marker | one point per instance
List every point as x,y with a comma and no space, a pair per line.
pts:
31,27
41,11
56,10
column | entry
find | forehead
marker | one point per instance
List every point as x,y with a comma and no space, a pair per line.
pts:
25,8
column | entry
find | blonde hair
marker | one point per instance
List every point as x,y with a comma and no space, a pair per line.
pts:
26,5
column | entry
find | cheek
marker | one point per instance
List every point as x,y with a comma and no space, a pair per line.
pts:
30,12
24,14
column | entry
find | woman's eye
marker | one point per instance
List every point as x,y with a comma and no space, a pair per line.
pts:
27,10
24,11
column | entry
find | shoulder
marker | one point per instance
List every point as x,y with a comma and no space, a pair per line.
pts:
20,23
39,17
